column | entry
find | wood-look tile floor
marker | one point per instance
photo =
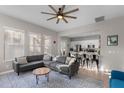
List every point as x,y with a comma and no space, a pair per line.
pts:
97,75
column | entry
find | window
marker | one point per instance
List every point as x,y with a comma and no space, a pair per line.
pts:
63,47
47,44
14,43
35,43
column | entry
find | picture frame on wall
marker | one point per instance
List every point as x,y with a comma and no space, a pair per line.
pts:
112,40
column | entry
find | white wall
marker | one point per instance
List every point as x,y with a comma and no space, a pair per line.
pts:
27,27
85,43
112,57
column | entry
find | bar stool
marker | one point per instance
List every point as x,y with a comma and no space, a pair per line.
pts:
85,58
95,58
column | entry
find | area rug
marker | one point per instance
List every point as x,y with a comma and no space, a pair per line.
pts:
56,80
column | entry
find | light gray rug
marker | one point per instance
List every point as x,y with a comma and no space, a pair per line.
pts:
56,80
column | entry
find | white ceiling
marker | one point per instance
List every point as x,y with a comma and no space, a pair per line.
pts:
86,14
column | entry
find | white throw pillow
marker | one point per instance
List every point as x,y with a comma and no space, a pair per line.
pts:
71,61
67,60
22,60
55,58
46,58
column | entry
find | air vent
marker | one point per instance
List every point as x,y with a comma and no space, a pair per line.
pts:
99,19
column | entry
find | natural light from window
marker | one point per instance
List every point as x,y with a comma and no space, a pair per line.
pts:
14,44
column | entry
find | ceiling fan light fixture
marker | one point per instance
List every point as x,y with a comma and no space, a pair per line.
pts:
59,16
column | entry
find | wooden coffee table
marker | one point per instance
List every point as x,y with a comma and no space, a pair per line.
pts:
40,72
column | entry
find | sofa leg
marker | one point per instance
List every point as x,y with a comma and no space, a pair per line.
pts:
69,77
18,73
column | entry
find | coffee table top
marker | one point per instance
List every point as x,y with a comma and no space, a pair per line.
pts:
41,71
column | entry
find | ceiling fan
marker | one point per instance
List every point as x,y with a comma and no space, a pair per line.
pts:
60,14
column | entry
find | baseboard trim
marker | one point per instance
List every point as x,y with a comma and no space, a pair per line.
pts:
2,73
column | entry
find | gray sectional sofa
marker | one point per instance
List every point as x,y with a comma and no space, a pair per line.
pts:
37,61
32,63
54,64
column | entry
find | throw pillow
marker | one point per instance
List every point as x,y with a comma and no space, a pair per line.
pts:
22,60
55,58
47,58
67,60
71,61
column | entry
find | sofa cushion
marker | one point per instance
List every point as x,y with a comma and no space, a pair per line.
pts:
47,63
31,64
21,60
116,83
34,58
61,59
54,65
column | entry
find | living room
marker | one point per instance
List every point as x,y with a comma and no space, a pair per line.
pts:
25,33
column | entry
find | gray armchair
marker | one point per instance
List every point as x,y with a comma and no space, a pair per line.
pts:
69,70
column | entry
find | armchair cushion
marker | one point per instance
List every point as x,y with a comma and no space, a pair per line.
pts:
116,83
117,79
70,69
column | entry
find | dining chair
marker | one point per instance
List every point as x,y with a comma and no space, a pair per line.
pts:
95,58
85,59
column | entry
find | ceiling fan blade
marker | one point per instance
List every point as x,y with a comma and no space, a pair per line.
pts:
48,13
63,7
57,21
71,11
71,17
52,8
51,18
65,20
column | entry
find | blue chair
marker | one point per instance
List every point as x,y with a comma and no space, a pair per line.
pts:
117,79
